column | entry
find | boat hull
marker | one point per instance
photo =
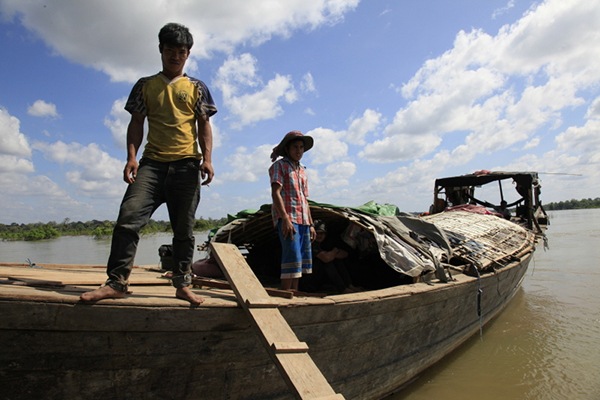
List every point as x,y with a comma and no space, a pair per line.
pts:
366,344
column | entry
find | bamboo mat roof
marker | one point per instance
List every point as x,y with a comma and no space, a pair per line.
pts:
486,241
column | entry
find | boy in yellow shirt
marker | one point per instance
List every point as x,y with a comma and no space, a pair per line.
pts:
176,158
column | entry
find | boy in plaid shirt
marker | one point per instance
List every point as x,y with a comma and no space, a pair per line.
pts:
290,210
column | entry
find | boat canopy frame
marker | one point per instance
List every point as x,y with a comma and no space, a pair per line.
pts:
459,190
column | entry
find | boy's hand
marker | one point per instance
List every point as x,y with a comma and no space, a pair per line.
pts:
313,234
206,172
130,171
287,229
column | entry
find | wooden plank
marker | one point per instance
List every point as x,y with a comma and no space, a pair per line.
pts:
37,282
217,283
56,266
303,375
290,347
78,277
289,354
236,270
334,397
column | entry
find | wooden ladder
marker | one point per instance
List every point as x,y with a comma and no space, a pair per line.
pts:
290,355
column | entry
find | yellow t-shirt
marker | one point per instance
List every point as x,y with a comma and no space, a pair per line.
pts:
172,108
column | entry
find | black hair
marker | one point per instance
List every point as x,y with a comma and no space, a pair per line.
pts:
175,35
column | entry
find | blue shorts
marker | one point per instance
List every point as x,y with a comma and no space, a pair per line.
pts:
296,254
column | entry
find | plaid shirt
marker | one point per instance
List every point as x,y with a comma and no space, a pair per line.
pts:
294,190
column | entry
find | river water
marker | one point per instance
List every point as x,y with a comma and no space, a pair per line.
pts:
85,250
545,345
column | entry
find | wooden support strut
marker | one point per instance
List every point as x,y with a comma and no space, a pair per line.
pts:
290,355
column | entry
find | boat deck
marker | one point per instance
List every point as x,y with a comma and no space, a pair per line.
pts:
64,284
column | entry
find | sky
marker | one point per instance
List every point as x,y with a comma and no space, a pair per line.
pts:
394,93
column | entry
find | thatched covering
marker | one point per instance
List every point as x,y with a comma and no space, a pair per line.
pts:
486,241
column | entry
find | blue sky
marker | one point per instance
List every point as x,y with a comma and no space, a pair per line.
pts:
394,93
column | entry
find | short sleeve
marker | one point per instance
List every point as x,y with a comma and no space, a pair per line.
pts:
135,102
276,173
205,104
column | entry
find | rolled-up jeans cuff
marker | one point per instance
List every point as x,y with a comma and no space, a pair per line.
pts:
118,286
181,280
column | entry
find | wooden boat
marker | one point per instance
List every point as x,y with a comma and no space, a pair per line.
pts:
431,283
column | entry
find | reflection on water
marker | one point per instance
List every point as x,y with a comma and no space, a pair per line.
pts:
546,343
85,250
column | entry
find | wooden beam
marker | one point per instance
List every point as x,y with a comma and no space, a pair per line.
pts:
217,283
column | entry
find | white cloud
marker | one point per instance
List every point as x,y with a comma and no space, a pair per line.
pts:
532,144
332,146
262,105
499,89
406,185
248,167
584,141
594,109
12,141
239,73
118,122
42,109
359,128
36,198
13,164
217,136
308,83
329,146
338,174
503,10
400,148
131,51
94,173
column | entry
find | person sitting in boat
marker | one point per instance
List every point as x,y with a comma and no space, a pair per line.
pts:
328,265
503,209
290,210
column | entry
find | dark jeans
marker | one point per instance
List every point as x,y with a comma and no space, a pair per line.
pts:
176,183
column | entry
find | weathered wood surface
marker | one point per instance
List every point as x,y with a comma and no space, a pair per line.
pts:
151,345
72,275
290,355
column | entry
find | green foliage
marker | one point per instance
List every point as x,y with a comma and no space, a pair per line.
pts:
95,228
573,204
103,232
43,232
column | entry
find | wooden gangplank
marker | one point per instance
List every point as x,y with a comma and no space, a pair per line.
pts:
290,355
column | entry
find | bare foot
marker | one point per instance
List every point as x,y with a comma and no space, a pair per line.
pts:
104,292
185,293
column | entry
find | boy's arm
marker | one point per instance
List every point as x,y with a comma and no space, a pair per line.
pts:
135,134
313,233
286,225
328,256
205,140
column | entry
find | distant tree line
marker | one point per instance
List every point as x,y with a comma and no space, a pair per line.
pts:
96,229
573,204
